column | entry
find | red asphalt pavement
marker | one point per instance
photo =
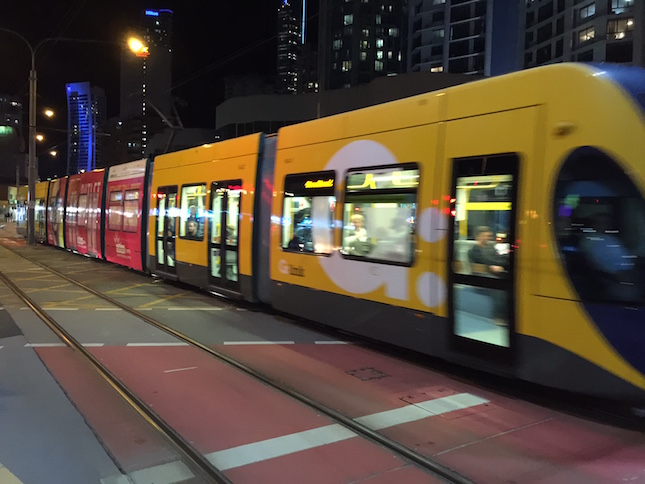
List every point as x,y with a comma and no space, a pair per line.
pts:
503,440
215,407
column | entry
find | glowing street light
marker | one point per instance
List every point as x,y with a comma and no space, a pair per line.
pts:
138,47
40,138
53,153
49,113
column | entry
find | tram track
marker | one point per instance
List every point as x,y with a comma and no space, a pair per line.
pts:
433,467
199,464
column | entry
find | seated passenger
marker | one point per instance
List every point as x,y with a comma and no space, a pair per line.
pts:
357,243
483,257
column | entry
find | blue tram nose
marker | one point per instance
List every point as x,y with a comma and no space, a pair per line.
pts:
599,223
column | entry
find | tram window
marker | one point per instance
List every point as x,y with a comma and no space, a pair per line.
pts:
380,213
82,209
131,211
599,217
482,218
308,212
193,200
115,216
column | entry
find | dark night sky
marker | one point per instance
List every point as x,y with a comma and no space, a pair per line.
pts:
211,39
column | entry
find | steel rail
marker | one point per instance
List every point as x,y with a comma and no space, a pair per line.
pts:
199,463
439,470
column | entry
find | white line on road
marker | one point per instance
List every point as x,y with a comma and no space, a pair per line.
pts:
93,345
180,369
166,473
157,344
61,309
331,342
296,442
108,309
44,345
279,446
410,413
259,342
309,439
178,308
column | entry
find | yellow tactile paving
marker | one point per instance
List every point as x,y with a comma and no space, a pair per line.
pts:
7,477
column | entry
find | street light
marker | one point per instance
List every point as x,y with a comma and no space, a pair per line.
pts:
49,113
138,47
32,173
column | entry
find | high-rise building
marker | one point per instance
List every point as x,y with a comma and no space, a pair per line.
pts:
85,120
289,46
10,112
146,82
359,41
463,36
584,31
12,145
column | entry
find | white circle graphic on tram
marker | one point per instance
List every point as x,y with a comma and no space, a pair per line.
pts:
359,277
431,290
432,225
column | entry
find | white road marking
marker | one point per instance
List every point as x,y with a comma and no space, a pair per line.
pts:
6,477
144,309
60,309
331,342
279,446
180,369
1,347
309,439
158,344
44,345
259,342
163,474
418,411
93,345
178,308
1,309
108,309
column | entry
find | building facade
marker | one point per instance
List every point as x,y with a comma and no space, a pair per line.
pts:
146,82
11,112
289,46
12,147
464,36
86,106
583,31
360,40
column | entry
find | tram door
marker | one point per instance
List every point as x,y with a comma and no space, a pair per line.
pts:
166,228
482,301
224,233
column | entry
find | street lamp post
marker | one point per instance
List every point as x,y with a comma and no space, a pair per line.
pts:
31,168
32,172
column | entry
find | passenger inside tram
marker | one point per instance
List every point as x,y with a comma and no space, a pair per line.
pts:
357,243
